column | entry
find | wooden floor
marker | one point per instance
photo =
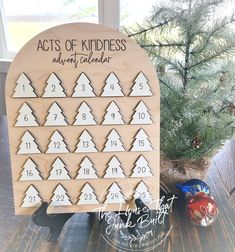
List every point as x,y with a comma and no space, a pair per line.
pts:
83,232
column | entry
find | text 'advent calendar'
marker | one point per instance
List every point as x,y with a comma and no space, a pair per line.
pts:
83,118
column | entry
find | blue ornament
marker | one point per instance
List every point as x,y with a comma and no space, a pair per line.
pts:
192,187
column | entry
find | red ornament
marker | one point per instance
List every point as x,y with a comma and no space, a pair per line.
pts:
202,209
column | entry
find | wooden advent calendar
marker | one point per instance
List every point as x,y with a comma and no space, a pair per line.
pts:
83,119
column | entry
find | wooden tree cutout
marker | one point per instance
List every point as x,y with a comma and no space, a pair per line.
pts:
30,171
24,88
28,144
141,115
141,142
57,144
87,196
32,198
84,115
142,192
60,197
114,195
54,87
113,142
85,143
141,168
87,170
55,116
59,171
141,86
26,117
112,86
114,169
113,115
83,87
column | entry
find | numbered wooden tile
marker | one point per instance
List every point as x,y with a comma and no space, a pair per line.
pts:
112,86
114,169
24,87
30,171
28,144
114,195
141,168
60,197
141,142
87,170
87,196
113,115
31,198
54,87
55,116
26,117
84,115
85,143
142,192
141,115
57,144
59,171
83,87
113,142
141,86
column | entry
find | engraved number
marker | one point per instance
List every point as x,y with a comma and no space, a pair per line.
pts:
32,199
53,88
141,115
26,118
114,170
83,116
58,172
86,171
87,196
28,145
114,195
83,87
141,169
141,143
57,145
85,144
29,173
59,197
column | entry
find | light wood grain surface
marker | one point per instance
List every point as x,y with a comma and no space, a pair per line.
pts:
38,66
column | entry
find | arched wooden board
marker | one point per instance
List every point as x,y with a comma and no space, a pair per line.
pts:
58,57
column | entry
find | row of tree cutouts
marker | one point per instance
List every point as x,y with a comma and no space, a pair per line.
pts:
87,170
57,143
56,117
83,88
87,196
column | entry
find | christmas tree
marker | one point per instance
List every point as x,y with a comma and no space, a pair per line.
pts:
57,144
193,51
113,142
54,87
28,144
58,170
87,196
114,195
142,193
113,115
112,86
84,115
141,114
26,117
87,170
85,143
114,169
32,198
83,87
141,142
24,88
141,168
60,197
30,171
55,116
141,86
